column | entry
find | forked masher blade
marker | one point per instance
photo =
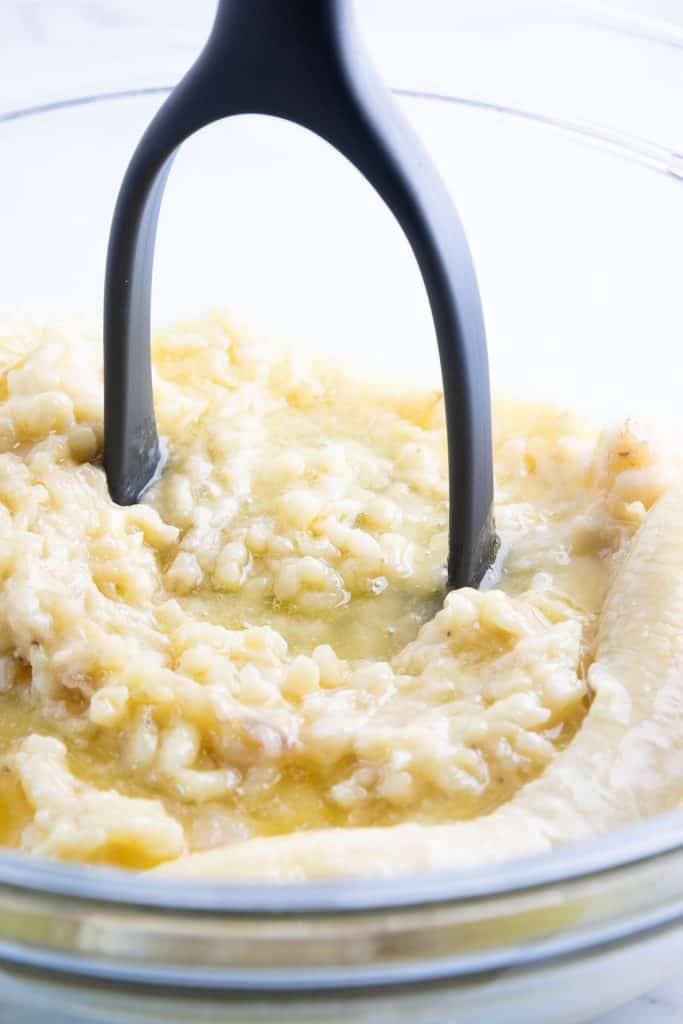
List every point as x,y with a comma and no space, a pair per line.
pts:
303,61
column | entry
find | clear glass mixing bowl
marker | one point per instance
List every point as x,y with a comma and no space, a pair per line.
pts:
557,127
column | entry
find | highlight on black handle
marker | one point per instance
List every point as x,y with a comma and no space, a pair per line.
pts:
302,61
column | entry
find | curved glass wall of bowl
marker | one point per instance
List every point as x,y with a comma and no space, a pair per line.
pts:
602,922
575,234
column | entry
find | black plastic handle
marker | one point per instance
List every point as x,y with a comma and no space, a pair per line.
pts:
302,60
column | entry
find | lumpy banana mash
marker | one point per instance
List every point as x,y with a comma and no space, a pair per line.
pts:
255,672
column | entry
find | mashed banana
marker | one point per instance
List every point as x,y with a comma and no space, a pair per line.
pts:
254,673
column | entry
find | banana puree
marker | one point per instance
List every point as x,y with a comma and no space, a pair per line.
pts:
255,672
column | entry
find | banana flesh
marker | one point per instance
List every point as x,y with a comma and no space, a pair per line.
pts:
626,762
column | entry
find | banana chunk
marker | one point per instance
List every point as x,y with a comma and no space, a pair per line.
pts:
74,820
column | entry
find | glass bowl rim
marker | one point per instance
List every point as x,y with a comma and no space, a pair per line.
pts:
656,839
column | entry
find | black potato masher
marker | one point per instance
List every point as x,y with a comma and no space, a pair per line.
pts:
303,61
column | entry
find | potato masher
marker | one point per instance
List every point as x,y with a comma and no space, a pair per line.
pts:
303,61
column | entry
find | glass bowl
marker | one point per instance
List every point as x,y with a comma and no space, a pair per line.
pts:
571,195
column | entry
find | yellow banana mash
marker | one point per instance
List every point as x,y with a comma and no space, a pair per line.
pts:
254,672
